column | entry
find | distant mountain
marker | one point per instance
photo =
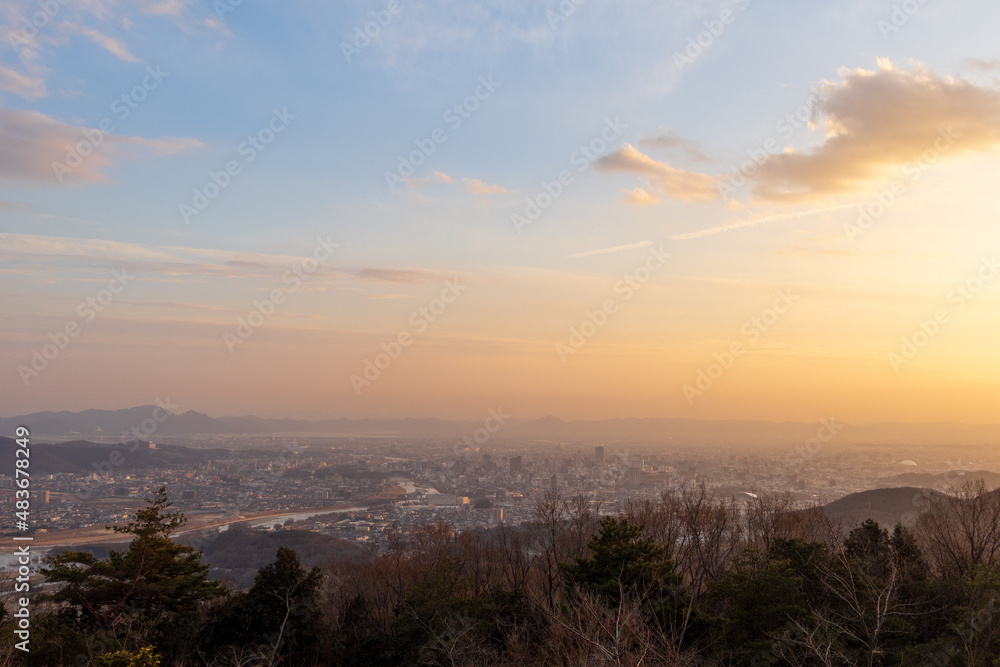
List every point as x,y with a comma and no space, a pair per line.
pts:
951,479
887,506
114,424
83,456
117,424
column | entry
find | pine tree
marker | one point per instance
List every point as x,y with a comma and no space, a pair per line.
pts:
155,577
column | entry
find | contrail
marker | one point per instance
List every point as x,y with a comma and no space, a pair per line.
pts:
755,221
617,248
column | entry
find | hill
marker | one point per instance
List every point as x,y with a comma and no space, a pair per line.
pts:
78,456
887,506
236,554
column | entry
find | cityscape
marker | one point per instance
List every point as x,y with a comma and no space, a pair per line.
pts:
357,488
499,333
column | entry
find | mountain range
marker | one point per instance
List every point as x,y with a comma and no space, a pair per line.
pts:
114,424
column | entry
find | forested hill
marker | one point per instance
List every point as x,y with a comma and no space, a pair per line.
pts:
83,456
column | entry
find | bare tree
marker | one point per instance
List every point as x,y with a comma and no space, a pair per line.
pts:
962,530
583,519
550,512
803,646
455,642
596,632
711,538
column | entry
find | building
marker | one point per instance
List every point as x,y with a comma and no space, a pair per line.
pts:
515,466
599,454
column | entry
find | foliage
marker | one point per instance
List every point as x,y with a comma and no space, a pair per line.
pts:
154,575
683,580
278,615
144,657
135,596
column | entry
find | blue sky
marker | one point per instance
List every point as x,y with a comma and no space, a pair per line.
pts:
562,76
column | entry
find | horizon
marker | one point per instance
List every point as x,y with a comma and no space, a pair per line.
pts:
574,209
518,419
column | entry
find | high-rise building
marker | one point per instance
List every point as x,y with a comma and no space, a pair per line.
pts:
599,454
515,465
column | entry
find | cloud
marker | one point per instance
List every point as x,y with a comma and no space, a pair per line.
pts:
756,221
617,248
30,88
173,8
639,197
680,184
399,276
478,187
472,185
670,140
168,260
33,142
984,65
106,42
878,121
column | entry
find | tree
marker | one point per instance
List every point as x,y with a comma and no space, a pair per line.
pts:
550,514
977,620
624,594
863,612
869,545
154,582
620,557
755,600
962,530
277,617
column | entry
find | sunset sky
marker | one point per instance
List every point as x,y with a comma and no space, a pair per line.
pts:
578,208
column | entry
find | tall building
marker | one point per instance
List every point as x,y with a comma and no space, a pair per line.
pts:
515,465
599,454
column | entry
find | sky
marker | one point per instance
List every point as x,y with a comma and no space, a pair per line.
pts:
731,209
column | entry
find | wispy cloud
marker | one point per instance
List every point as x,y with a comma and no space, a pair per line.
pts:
687,186
28,87
399,276
756,221
110,44
617,248
984,65
33,142
478,187
670,140
473,186
168,260
639,197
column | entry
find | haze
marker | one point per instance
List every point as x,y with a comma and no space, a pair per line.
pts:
715,210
